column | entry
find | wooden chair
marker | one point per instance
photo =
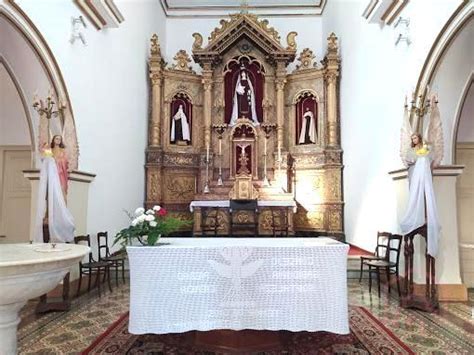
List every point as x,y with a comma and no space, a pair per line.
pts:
280,225
391,267
209,220
116,260
237,206
92,267
380,251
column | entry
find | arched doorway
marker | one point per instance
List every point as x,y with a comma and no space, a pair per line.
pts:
464,155
15,156
27,68
448,70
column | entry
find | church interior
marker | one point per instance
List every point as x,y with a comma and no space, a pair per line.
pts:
236,177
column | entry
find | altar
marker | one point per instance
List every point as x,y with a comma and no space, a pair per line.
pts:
247,117
185,284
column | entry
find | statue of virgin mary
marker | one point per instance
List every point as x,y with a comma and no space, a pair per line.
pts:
243,104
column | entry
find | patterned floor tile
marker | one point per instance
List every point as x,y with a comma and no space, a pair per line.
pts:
451,331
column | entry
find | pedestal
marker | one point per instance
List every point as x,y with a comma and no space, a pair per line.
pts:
9,320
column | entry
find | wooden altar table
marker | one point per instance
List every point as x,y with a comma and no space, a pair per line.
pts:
264,218
295,284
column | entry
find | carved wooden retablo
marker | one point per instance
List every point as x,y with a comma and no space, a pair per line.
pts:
205,128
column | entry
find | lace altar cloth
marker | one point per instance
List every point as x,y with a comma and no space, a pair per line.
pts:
295,284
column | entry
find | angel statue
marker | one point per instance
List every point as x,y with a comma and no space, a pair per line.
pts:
420,155
52,192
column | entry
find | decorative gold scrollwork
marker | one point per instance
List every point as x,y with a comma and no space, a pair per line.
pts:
197,45
290,39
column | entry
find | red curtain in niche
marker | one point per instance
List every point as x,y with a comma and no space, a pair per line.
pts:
180,99
230,81
307,102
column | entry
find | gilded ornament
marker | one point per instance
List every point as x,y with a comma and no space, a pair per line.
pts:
197,45
155,46
217,31
180,188
290,39
182,60
306,59
332,42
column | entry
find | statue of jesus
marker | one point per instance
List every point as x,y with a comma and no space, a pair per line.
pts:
243,104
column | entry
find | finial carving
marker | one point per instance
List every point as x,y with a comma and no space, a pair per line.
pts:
306,59
155,46
182,60
332,43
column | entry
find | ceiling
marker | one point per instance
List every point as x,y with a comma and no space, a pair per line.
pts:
214,8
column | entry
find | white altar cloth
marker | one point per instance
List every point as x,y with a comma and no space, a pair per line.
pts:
295,284
226,204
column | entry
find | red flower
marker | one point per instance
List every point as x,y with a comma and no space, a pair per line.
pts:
162,212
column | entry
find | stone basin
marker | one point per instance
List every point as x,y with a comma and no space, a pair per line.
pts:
28,271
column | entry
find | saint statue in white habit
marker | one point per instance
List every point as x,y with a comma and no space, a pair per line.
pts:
180,126
243,104
308,132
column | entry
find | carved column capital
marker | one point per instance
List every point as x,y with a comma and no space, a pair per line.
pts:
155,77
280,83
331,77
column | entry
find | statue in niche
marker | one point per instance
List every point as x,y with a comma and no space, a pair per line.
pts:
180,127
243,105
308,133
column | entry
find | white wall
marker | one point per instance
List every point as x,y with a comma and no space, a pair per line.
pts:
179,34
375,77
13,121
107,82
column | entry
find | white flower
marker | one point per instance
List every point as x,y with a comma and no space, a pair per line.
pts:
134,222
141,218
139,211
149,218
150,212
156,208
153,223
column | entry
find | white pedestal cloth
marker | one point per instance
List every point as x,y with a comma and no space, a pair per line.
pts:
296,284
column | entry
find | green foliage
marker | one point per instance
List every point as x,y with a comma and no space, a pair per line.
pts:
147,232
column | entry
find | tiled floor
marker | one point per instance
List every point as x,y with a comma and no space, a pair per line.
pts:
451,331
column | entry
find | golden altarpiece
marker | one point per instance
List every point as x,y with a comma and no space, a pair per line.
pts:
247,127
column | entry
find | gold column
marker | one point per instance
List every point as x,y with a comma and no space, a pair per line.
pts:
156,76
331,64
331,78
280,108
207,86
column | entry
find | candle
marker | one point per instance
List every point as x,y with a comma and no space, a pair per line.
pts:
207,154
220,147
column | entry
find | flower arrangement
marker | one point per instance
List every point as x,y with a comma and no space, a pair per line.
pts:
148,226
